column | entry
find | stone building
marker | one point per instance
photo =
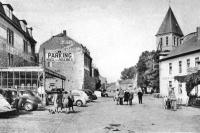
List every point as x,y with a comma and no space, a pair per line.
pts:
17,45
183,55
72,59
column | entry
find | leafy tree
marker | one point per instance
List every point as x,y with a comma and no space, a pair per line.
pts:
148,70
129,73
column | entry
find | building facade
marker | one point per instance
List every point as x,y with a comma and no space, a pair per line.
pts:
180,59
17,49
70,58
17,45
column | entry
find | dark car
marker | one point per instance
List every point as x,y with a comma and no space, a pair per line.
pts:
90,94
104,94
28,100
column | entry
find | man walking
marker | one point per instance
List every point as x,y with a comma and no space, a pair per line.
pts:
140,94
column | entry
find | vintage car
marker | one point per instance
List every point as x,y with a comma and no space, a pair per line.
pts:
5,107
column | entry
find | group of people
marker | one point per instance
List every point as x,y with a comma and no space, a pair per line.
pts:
169,101
62,101
127,96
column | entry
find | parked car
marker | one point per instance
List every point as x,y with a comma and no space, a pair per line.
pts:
104,94
90,94
79,99
30,100
82,93
5,107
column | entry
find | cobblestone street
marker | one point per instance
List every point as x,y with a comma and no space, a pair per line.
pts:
104,116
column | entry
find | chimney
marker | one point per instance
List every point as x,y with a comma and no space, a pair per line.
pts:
198,33
64,33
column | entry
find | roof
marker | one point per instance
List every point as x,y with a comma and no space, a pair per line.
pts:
189,46
59,41
170,24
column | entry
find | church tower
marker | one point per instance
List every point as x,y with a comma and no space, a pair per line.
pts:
169,34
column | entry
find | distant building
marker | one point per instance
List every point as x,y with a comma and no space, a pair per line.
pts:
126,84
72,59
183,56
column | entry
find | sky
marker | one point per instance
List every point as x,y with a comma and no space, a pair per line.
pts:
116,32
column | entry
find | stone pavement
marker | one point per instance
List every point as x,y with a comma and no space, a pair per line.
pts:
104,116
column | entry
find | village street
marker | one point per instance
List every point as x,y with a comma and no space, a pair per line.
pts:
104,116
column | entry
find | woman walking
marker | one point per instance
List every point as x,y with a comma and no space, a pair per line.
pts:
70,101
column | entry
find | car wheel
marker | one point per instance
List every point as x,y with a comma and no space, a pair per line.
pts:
79,103
28,106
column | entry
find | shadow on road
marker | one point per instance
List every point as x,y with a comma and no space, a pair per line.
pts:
14,114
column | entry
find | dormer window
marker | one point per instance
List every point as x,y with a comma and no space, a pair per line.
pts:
23,24
8,10
30,31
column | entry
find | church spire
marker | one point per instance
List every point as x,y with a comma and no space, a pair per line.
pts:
170,25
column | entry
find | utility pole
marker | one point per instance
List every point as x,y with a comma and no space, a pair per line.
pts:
44,76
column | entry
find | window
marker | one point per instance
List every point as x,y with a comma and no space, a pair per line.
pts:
170,68
180,66
166,40
174,41
49,64
196,61
188,63
180,88
10,59
177,41
10,37
170,84
25,47
161,42
8,11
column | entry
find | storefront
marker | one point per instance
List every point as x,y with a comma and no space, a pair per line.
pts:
27,77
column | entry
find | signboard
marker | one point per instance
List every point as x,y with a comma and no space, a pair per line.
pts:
58,56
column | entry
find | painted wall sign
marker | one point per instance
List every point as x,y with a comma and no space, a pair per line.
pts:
58,55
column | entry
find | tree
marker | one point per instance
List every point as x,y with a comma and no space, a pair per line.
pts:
148,70
129,73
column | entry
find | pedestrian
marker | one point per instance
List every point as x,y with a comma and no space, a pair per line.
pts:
131,98
116,97
121,96
70,101
140,94
65,101
59,101
126,96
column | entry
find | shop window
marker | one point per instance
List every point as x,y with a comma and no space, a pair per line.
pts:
22,75
16,74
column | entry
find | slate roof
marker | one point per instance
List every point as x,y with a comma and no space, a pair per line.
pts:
189,46
170,24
